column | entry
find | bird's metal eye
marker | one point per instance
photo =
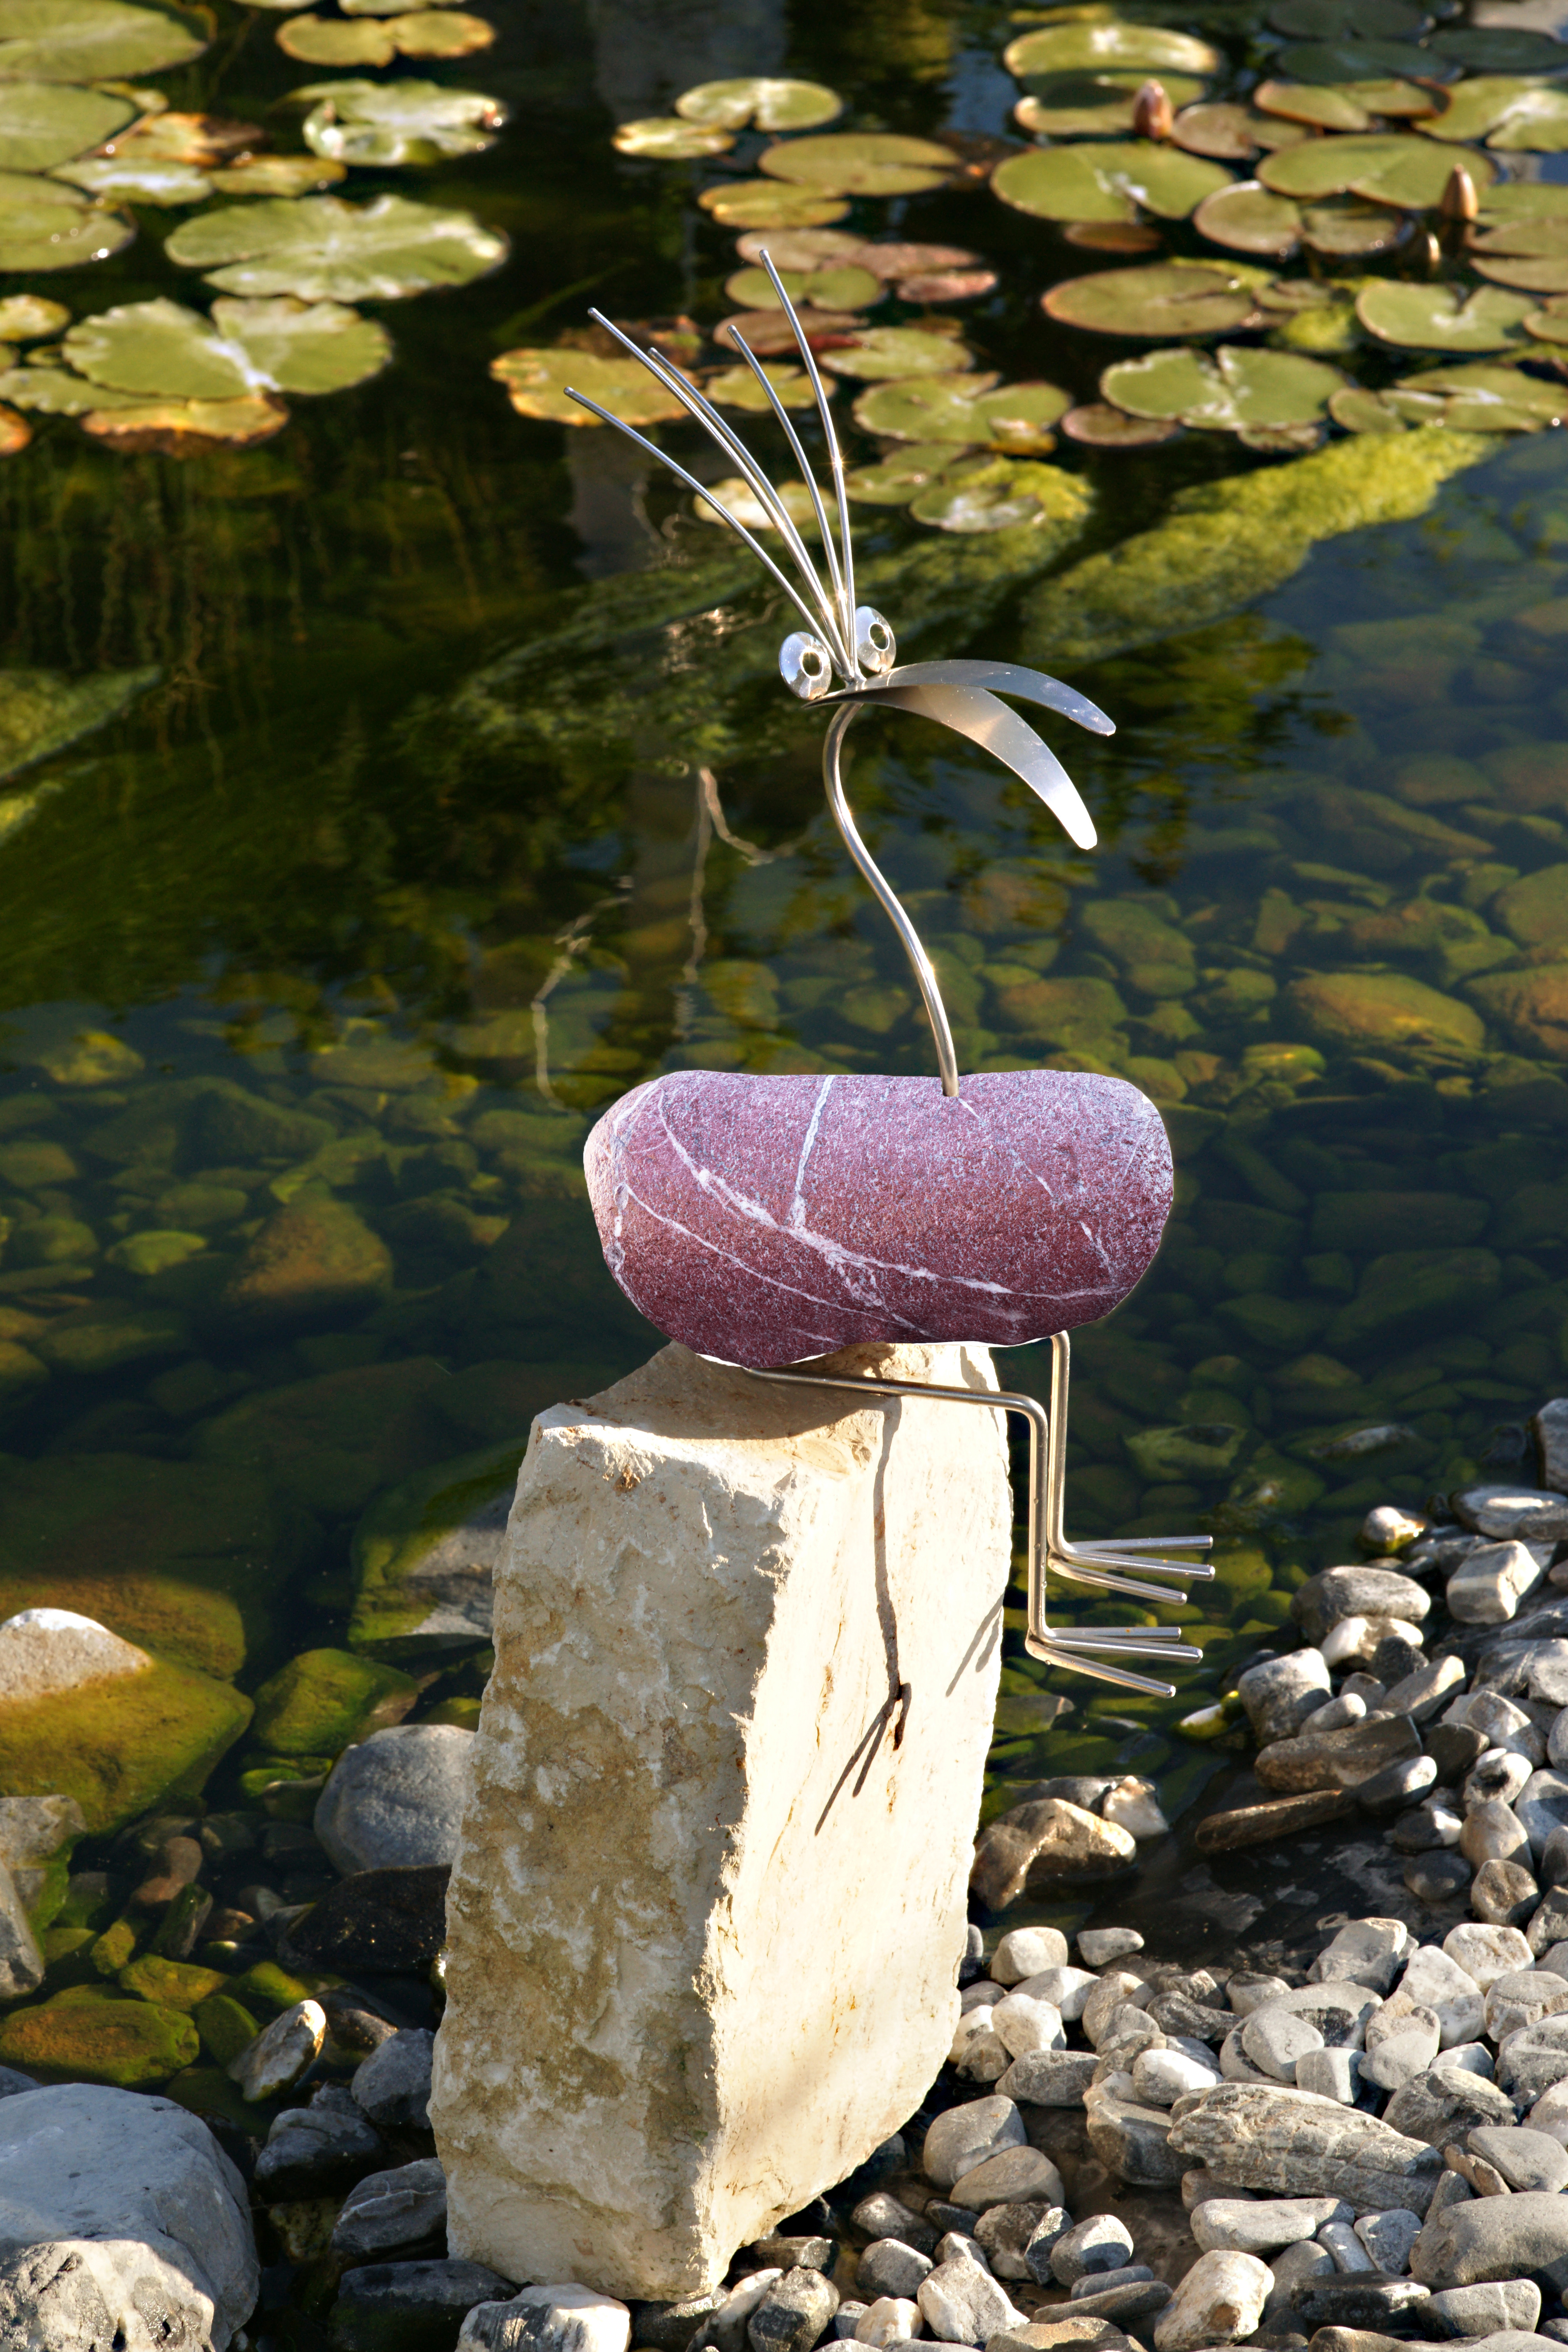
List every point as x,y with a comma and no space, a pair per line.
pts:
805,666
874,642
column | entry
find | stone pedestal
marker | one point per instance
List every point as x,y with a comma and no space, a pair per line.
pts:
709,1900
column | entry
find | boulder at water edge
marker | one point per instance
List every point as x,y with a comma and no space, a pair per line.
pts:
121,2223
709,1902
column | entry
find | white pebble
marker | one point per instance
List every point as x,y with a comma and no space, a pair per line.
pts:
1346,2248
887,2320
1099,1946
1021,2022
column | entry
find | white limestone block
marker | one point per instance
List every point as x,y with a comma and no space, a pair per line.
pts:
709,1900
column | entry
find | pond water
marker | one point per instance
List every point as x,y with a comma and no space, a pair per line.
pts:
443,790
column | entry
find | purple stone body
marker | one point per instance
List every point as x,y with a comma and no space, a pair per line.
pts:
769,1219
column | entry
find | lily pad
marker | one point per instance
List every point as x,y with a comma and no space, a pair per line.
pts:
44,226
768,104
24,317
1354,61
1231,134
94,40
1497,49
1342,106
388,123
1480,398
979,494
805,249
1359,411
669,140
1236,390
1521,200
1112,236
1249,218
137,181
1513,116
51,390
947,285
860,164
850,289
737,387
375,41
1539,274
1437,317
1549,324
44,123
326,250
174,137
1346,20
1015,418
902,475
1089,47
1094,105
769,334
180,428
1387,167
770,203
277,175
885,353
1101,427
745,506
161,349
1108,181
536,384
1168,298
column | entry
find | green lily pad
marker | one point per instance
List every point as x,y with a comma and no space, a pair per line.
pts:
1487,49
805,249
1354,61
770,104
277,175
1541,274
441,32
770,203
1231,134
1513,116
902,475
1483,398
860,164
1350,226
981,494
1322,330
24,317
887,353
1168,298
177,428
1089,47
1437,317
56,391
850,289
737,387
1099,426
1248,218
137,180
387,123
669,140
1549,324
743,502
536,384
1346,20
1359,411
1535,238
44,123
1094,105
1342,106
44,226
1014,418
94,40
376,40
326,250
1521,200
1235,390
1387,167
1108,181
161,350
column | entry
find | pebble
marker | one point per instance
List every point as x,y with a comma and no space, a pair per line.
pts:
1123,2300
1346,2248
1401,2042
397,1798
391,2212
319,2150
1257,2226
792,2315
1013,2176
569,2318
1066,1988
1499,1775
1330,2074
963,2303
1388,2238
280,2054
1503,1894
1219,2301
1421,1693
1024,1951
1107,2281
1488,2238
48,1653
1364,1952
1436,1878
965,2135
888,2268
1487,1953
1526,2159
1522,1998
392,2084
1351,2300
1499,2304
1443,2101
881,2215
888,2320
1489,1584
1493,1833
1097,1946
1100,2243
1160,2077
1017,2239
1048,2078
1021,2024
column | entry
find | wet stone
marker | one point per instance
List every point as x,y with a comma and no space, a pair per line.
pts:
377,1920
1367,2301
393,2086
1339,1759
403,2212
406,2302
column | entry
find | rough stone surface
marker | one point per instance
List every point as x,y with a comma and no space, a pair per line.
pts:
1491,1582
1049,1839
960,2302
1484,2310
1487,1953
1257,2225
389,2213
1494,2238
1506,1513
1025,1952
552,2319
1445,2101
1289,2141
768,1219
397,1798
121,2223
1219,2301
392,2084
887,2267
1551,1427
651,2053
317,2150
1279,1694
47,1652
400,2305
1049,2078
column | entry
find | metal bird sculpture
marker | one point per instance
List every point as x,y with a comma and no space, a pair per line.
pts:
855,644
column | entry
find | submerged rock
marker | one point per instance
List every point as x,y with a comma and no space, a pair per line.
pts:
424,1555
324,1699
314,1259
396,1799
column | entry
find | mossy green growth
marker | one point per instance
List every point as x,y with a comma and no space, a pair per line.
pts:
173,1984
49,1901
1415,1289
1384,1008
313,1260
226,2026
268,1987
1226,543
324,1698
207,2091
130,2044
117,1747
424,1552
114,1946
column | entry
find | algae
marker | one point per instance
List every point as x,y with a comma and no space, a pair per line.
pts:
117,1747
324,1699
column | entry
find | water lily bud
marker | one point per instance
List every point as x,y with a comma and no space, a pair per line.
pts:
1153,115
1459,201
